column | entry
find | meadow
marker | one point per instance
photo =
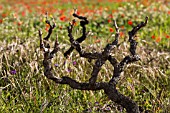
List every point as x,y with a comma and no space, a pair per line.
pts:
23,86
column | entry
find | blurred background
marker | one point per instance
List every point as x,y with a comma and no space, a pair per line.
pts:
24,88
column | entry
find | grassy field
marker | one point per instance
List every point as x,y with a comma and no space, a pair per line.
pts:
24,88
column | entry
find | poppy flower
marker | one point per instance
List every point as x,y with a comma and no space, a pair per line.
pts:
47,27
4,15
169,12
23,13
122,27
121,34
130,22
153,37
109,21
167,36
111,30
1,7
63,18
1,20
19,23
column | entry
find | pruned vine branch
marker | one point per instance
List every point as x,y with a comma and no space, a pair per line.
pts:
83,24
100,57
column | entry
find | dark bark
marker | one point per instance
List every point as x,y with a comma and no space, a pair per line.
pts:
108,87
83,24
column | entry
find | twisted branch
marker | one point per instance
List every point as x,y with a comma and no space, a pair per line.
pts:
119,67
51,27
83,24
108,87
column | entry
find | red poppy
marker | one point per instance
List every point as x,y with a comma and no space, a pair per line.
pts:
153,37
63,18
44,2
169,12
78,13
4,15
155,9
167,36
47,27
109,21
110,16
1,20
19,23
122,27
1,7
111,30
23,13
121,34
130,22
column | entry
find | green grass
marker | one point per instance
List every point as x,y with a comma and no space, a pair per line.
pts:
147,81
